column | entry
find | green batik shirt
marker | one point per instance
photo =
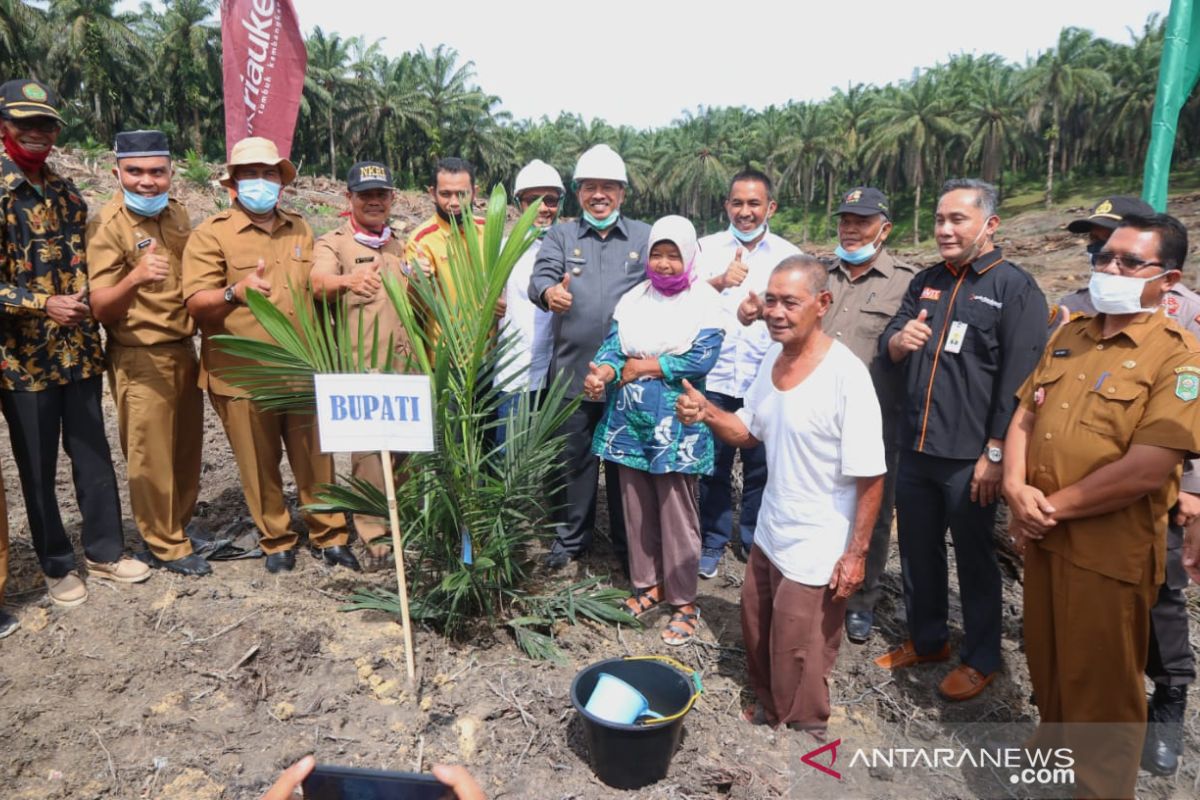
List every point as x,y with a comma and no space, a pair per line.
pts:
44,253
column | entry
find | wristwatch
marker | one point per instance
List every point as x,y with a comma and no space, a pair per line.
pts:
995,455
231,296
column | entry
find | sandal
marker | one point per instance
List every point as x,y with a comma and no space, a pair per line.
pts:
643,600
682,626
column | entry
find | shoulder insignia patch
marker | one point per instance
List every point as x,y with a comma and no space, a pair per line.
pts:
1187,386
1187,368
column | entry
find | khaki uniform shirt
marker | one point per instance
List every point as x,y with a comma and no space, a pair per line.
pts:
117,239
1093,398
339,253
224,249
861,309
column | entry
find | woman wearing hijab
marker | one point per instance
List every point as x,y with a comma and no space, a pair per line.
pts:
666,329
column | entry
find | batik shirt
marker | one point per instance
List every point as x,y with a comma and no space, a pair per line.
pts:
42,240
639,428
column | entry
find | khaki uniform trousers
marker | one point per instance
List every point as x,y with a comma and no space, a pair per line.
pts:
1086,642
369,467
160,417
258,439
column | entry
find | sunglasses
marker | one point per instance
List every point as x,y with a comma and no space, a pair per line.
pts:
1126,263
40,124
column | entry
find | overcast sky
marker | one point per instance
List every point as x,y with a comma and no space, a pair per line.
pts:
642,62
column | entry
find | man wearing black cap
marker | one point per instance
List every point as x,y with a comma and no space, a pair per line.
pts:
135,247
1171,664
868,285
350,261
50,380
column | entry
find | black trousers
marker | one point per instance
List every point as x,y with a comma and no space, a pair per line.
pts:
881,538
931,495
580,474
36,422
1171,661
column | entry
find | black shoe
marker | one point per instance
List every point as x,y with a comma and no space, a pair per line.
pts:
1164,733
557,559
338,556
8,623
281,562
858,626
191,564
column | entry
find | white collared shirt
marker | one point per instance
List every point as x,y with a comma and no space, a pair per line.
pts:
744,346
529,360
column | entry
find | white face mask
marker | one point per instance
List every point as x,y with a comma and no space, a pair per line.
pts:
1118,294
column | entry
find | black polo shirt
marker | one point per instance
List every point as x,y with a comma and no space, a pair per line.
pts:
953,402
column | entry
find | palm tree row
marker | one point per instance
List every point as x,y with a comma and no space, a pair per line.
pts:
1082,106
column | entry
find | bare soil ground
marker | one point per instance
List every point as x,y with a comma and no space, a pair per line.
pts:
207,688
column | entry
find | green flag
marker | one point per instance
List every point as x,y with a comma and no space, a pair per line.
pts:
1177,73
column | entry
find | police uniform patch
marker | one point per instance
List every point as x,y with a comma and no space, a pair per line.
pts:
34,92
1187,386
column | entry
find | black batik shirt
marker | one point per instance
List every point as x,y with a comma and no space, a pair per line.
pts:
42,253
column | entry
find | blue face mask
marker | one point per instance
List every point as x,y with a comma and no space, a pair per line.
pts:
747,236
145,206
602,224
860,256
258,196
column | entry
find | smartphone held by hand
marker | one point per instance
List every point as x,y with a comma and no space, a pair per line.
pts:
327,782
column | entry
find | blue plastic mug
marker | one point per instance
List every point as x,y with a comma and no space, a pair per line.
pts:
614,700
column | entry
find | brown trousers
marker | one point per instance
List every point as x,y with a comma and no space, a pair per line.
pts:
258,439
3,541
160,417
1086,641
369,467
792,633
662,523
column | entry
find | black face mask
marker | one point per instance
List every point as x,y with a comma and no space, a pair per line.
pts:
458,218
1094,247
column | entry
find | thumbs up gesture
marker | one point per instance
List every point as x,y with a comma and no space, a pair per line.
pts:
691,407
750,310
558,296
257,281
597,379
737,270
151,267
365,282
910,338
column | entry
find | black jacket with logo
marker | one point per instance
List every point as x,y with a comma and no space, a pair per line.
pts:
955,401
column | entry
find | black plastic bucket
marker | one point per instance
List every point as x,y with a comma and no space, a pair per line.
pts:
632,756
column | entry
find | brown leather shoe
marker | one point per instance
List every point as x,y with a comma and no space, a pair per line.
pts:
964,682
906,656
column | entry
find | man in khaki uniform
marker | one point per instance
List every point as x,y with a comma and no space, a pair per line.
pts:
868,285
257,245
1095,451
135,249
350,261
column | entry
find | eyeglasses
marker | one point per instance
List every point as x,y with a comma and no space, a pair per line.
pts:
1126,263
40,124
549,200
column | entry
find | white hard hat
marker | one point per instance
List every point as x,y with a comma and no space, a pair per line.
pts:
600,162
537,174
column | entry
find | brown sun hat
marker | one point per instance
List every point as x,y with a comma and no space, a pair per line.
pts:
257,150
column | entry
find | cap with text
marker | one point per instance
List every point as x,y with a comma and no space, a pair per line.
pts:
367,175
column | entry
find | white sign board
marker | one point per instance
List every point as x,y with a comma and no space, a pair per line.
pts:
371,413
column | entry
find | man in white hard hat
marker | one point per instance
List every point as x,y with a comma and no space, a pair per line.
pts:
528,325
582,269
